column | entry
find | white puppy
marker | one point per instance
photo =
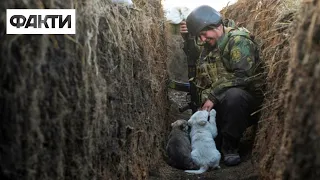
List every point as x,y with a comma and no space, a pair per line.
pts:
203,131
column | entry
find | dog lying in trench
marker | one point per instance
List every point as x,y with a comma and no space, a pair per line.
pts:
204,153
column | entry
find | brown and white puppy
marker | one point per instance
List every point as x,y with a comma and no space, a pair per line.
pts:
179,146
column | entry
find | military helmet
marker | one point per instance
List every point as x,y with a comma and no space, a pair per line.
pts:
202,17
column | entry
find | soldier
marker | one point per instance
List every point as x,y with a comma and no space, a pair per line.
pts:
228,76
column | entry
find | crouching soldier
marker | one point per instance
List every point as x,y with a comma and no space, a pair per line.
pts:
228,76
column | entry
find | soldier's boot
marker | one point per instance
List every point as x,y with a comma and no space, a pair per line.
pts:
230,152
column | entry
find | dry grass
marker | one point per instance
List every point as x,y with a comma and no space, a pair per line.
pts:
299,151
272,22
85,106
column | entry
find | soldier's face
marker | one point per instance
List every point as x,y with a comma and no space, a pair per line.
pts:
211,36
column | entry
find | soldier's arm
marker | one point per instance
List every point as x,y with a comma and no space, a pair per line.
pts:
241,58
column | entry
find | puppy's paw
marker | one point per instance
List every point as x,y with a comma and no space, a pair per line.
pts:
213,113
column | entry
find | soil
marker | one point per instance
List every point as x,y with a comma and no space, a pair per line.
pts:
244,171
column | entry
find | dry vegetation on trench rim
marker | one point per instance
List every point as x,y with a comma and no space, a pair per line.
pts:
84,106
288,33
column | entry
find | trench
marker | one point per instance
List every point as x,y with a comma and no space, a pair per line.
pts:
95,105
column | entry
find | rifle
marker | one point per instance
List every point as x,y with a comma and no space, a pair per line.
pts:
192,54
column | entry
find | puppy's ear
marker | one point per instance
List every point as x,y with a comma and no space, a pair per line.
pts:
184,127
202,123
172,124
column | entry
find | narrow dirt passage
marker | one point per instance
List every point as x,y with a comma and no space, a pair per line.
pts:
244,171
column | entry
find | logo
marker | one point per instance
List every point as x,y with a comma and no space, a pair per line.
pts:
41,21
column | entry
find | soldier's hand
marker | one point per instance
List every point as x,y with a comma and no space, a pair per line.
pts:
183,28
208,105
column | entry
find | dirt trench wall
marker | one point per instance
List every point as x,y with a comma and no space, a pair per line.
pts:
84,106
287,142
299,156
272,24
177,62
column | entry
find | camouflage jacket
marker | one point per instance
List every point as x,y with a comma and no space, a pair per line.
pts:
233,63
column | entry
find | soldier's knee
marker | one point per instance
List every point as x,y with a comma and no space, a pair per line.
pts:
234,97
